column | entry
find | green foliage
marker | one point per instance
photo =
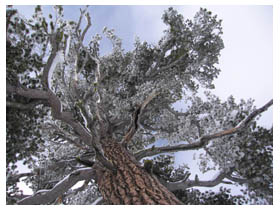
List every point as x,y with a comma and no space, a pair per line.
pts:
161,165
148,165
23,65
23,127
223,197
257,164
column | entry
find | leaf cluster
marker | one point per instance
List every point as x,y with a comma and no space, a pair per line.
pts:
209,197
23,65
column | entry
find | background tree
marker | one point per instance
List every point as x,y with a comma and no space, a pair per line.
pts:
24,115
74,115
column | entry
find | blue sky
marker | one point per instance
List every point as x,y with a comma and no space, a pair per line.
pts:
246,62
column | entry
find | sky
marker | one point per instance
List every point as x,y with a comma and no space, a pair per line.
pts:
246,62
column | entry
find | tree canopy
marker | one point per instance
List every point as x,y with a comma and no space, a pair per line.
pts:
64,100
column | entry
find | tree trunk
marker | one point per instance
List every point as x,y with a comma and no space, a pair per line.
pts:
131,183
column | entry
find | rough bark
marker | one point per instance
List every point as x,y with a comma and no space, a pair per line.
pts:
130,183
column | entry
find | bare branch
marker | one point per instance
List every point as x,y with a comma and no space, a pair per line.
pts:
80,20
247,120
182,185
28,93
18,196
238,180
243,124
53,100
15,178
99,201
56,106
67,117
204,140
166,149
28,106
83,187
47,72
87,27
75,142
47,196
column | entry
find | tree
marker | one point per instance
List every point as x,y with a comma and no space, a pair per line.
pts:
86,117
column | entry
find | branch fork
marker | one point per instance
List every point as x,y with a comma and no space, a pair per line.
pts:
136,118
